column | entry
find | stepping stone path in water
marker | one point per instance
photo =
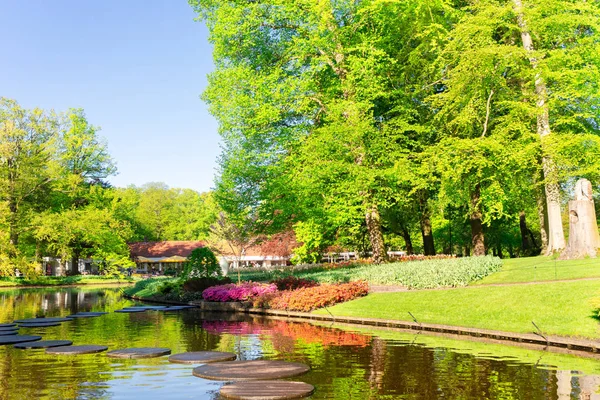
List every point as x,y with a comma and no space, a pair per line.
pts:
267,390
42,320
18,339
38,324
75,350
250,370
8,333
43,344
139,352
201,357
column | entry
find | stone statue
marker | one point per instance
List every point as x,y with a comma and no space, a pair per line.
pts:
583,229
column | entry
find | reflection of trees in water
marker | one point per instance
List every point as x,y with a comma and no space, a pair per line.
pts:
344,364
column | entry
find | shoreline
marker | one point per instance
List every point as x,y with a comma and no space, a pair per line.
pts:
68,285
548,342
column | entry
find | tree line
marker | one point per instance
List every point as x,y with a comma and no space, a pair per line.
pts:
453,126
55,199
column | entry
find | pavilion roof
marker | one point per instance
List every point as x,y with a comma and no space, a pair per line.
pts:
163,249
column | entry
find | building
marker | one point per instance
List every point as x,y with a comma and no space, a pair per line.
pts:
272,252
158,257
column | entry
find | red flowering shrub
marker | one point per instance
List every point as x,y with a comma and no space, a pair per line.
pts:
291,283
307,299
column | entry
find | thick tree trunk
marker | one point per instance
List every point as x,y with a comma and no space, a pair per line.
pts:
373,220
584,240
426,230
556,236
525,243
540,199
407,241
477,238
75,263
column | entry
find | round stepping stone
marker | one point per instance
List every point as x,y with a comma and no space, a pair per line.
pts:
42,320
175,308
8,333
125,310
139,352
82,316
38,325
267,390
201,357
250,370
74,350
18,339
92,313
9,328
7,325
43,344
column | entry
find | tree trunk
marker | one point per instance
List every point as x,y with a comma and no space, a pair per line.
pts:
556,236
407,241
426,231
477,237
525,244
375,234
584,240
540,199
75,263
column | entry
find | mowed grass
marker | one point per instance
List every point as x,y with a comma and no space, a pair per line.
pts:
537,269
561,308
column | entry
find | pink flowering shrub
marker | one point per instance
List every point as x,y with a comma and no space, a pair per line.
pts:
238,292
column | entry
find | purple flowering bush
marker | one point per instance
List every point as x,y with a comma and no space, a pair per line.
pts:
238,292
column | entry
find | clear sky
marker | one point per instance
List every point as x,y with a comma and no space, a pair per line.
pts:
137,68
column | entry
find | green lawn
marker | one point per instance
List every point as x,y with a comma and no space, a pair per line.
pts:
557,308
532,269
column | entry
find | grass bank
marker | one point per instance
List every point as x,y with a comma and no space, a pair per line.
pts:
63,281
539,269
558,308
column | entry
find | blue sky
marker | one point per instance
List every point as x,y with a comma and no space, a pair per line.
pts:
137,68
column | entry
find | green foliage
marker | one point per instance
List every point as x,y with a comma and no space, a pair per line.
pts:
311,236
201,263
330,109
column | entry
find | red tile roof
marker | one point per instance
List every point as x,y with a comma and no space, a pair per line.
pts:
164,249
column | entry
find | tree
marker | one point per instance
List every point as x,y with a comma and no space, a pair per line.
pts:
28,140
86,232
237,235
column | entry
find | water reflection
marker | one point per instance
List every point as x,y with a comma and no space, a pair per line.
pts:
346,364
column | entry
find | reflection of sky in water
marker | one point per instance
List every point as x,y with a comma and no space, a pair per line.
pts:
346,364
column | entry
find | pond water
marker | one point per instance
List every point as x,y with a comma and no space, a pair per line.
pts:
346,362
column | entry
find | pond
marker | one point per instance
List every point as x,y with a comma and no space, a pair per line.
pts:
346,362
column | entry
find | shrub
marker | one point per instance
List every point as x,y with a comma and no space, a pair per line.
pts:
170,287
200,284
202,263
237,292
292,282
307,299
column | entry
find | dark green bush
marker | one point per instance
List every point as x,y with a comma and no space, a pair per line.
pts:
199,284
202,263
